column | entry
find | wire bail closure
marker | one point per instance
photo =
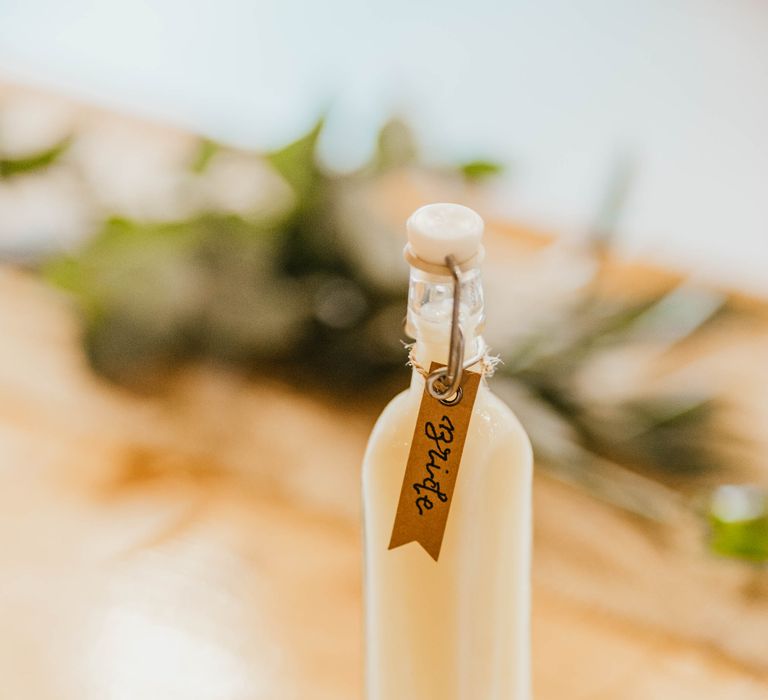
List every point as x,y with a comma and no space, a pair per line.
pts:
444,383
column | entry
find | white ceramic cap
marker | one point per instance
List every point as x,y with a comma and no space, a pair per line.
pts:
438,230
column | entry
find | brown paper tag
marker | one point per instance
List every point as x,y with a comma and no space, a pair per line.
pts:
432,468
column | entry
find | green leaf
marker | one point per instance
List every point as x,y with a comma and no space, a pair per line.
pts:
480,169
63,272
39,160
206,150
738,520
296,162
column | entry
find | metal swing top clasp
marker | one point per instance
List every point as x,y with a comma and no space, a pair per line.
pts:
444,383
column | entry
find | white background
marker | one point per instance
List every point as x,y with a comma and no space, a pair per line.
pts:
559,89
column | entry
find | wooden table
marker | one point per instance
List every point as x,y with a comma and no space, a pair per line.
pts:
183,546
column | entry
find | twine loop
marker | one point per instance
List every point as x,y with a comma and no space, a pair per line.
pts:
487,362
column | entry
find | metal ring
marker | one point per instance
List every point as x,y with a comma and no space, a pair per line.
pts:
457,397
449,387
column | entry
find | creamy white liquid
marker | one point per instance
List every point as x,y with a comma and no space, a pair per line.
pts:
458,628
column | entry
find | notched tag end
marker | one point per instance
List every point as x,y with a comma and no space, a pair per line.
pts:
431,550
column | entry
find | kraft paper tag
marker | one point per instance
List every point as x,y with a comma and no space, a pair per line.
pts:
432,468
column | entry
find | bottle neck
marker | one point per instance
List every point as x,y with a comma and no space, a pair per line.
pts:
430,308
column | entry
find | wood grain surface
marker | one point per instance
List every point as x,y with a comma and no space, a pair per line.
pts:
188,546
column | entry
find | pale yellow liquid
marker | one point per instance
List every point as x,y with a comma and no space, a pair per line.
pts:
458,628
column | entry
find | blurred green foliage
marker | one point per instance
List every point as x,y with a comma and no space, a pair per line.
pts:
738,518
286,293
481,169
33,162
672,433
278,291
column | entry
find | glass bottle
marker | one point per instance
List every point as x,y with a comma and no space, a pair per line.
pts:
456,628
